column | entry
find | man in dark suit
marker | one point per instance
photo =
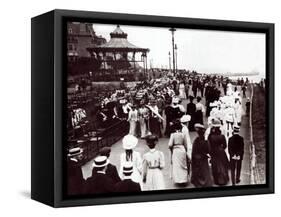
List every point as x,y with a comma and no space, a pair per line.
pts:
127,185
236,152
75,180
100,182
111,169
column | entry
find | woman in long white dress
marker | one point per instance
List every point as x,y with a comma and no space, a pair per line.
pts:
178,147
130,155
153,164
184,121
133,119
143,119
182,93
238,111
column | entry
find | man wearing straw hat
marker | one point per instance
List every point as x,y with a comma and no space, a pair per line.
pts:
236,152
127,184
111,169
75,180
100,182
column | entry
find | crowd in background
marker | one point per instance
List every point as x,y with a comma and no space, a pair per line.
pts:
155,109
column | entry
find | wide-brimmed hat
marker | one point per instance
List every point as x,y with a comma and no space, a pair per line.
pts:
214,104
175,100
236,129
199,126
129,142
122,101
216,123
100,161
128,168
185,118
74,151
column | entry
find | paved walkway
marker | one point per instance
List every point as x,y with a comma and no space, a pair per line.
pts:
163,146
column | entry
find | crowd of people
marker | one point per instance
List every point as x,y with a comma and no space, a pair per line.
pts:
155,109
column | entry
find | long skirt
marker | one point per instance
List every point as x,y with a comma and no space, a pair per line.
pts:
179,165
154,180
182,93
154,127
198,117
201,176
133,127
220,167
143,127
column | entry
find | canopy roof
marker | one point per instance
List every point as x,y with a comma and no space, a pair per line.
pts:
118,42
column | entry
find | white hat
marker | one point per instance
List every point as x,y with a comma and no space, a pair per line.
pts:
214,104
197,125
129,142
236,129
175,100
74,152
185,118
122,101
100,161
128,168
216,123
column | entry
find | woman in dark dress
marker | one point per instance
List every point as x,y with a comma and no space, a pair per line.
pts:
190,110
219,160
200,109
201,176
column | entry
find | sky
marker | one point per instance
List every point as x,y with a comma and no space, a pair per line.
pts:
205,51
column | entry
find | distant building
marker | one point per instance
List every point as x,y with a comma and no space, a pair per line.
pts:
81,36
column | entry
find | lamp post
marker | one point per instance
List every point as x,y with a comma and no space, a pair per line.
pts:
169,60
173,46
176,57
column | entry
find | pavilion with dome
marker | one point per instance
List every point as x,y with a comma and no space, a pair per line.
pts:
119,59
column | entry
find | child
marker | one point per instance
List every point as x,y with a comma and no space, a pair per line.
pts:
153,163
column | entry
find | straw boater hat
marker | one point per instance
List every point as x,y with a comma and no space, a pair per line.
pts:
200,126
74,152
129,142
216,123
128,168
236,129
100,161
185,118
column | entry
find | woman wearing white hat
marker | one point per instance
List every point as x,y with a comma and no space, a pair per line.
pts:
184,122
129,142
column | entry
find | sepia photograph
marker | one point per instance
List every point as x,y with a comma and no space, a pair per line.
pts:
156,108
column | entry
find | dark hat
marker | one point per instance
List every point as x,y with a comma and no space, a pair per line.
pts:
105,151
151,139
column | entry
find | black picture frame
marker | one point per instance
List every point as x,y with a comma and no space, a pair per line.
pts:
48,102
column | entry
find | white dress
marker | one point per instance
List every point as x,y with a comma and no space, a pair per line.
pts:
185,131
133,119
153,163
238,112
143,116
137,166
179,158
182,91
